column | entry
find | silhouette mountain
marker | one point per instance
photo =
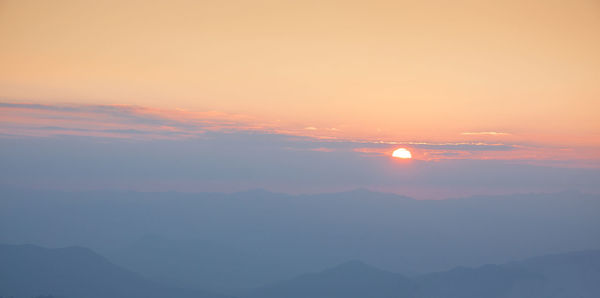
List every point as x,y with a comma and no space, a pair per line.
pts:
177,263
349,280
490,281
554,276
74,272
219,241
574,274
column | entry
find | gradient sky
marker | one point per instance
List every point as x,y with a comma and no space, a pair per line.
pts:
485,84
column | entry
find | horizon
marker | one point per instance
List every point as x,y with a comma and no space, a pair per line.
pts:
494,97
262,140
300,194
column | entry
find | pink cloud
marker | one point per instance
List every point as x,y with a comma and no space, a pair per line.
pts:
139,123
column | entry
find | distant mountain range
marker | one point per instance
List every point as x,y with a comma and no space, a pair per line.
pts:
555,276
248,239
27,271
75,272
351,279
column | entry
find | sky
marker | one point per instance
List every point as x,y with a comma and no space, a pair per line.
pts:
301,96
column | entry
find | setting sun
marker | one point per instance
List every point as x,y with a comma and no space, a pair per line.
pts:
402,153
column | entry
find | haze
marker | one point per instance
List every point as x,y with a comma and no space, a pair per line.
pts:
299,149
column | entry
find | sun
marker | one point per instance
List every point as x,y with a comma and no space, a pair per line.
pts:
402,153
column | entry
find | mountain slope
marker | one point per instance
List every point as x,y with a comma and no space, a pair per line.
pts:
555,276
277,237
73,272
175,262
349,280
490,281
574,274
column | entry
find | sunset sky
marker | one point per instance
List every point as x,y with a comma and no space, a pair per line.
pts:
301,96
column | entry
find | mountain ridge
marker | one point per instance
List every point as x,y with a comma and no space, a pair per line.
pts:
512,280
28,270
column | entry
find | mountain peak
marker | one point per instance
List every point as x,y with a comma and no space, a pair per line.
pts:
353,264
355,268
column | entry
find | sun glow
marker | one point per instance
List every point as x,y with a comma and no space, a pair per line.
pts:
402,153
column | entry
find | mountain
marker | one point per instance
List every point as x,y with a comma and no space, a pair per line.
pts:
74,272
554,276
490,281
195,263
249,239
349,280
574,274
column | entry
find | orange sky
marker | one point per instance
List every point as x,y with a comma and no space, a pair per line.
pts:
393,70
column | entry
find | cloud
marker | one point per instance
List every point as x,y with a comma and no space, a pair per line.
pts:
145,124
485,133
234,161
117,121
100,146
466,146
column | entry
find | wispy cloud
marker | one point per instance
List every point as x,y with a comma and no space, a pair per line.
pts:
485,133
144,123
119,121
